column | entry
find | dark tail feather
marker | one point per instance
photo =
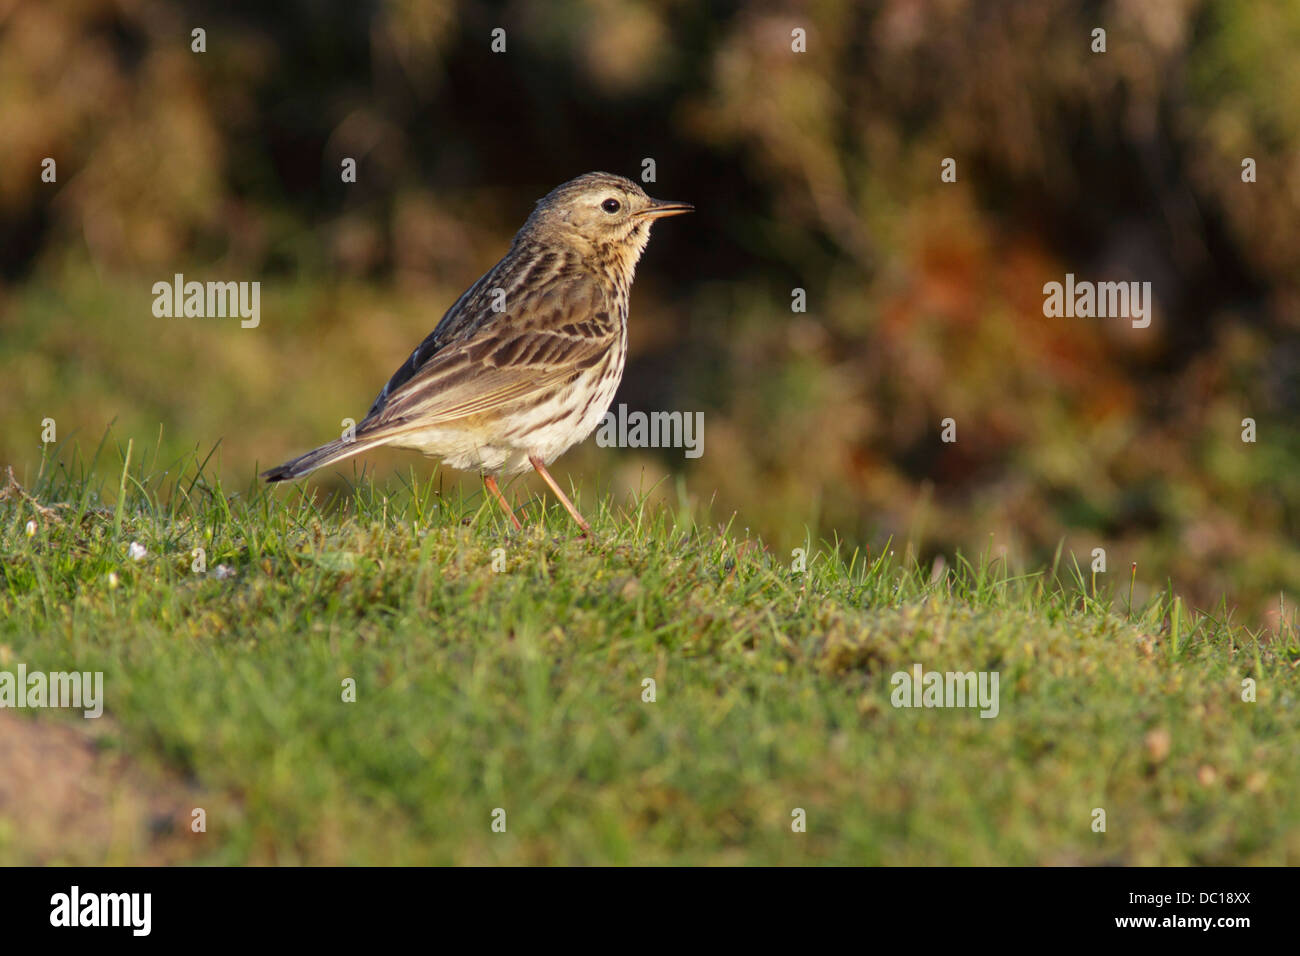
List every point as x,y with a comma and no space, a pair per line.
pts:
319,457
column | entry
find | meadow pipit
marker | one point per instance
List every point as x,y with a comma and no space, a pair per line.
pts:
525,364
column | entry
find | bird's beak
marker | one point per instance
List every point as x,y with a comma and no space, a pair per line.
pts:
660,208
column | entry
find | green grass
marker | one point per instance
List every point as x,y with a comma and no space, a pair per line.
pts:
522,689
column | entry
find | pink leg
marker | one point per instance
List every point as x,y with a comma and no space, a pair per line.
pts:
568,505
490,482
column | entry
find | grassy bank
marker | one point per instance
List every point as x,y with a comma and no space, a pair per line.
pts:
496,669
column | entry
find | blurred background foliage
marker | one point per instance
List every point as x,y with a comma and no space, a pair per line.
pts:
817,170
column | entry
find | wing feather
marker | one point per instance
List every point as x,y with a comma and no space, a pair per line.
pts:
547,341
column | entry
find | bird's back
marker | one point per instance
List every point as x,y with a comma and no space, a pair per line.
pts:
541,305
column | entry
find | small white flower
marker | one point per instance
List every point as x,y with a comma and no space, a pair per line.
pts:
31,528
112,579
221,572
136,551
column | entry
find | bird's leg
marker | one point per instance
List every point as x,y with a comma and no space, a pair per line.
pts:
490,483
568,505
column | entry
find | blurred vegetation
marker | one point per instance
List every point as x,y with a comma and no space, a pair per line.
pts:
817,170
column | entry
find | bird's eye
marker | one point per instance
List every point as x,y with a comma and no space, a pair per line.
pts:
611,206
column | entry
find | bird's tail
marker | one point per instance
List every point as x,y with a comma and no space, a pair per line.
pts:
336,450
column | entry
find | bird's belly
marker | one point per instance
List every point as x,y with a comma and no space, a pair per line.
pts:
465,449
549,428
502,441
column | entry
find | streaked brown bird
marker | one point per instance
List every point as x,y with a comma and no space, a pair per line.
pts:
526,362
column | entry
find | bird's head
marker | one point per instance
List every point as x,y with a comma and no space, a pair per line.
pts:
606,216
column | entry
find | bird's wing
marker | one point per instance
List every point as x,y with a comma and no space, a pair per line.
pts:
547,336
455,323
